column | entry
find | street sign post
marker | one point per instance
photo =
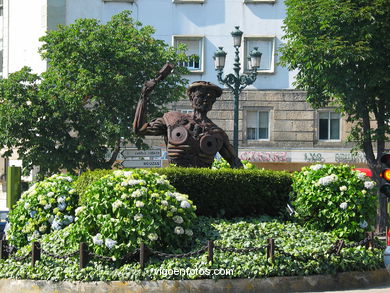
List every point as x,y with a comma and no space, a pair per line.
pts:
135,158
126,153
141,164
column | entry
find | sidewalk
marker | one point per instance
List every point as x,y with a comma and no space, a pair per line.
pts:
382,289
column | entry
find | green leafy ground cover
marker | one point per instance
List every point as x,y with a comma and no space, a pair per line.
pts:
307,248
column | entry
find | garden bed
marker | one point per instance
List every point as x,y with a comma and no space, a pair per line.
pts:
240,252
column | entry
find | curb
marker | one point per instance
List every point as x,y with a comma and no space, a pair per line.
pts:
340,281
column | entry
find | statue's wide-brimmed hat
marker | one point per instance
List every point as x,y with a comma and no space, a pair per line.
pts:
205,85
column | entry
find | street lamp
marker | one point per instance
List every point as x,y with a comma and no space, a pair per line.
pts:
236,82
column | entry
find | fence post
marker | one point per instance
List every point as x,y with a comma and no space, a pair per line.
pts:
84,257
3,249
142,255
370,242
340,245
210,251
271,248
35,252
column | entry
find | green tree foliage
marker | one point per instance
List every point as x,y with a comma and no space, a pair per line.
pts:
70,115
341,50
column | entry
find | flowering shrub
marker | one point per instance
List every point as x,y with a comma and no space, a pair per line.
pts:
222,163
46,206
334,198
125,208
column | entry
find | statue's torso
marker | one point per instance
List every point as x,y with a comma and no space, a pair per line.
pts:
191,143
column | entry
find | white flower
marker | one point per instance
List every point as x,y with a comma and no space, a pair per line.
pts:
361,175
68,219
97,239
364,191
189,232
28,103
26,205
42,228
153,236
72,191
162,182
56,225
33,213
124,183
178,219
135,182
61,199
48,206
173,209
139,204
139,192
178,230
185,204
343,188
138,217
343,205
316,167
369,184
50,194
327,180
124,196
117,204
62,206
363,224
79,210
164,202
127,173
110,243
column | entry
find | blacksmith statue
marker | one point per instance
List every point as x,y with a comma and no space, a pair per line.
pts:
192,139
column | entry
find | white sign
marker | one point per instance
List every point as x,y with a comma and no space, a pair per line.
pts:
126,153
142,164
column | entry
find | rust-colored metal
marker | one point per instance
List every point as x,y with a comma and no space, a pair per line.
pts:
192,139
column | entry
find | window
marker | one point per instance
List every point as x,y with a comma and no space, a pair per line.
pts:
329,126
257,125
129,1
194,52
187,1
259,1
266,46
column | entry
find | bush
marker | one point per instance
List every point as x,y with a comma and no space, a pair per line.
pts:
334,198
227,192
125,208
46,206
222,164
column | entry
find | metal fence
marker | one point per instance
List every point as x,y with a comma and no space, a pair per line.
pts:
143,252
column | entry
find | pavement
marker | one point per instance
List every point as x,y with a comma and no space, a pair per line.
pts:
381,289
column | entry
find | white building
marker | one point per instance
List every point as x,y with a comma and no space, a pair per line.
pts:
276,124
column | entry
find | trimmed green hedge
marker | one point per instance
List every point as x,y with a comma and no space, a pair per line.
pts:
225,192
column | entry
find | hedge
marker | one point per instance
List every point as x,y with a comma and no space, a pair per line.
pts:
225,192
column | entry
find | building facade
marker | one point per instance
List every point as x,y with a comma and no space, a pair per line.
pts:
277,128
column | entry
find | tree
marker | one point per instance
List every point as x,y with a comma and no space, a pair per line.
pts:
341,50
69,116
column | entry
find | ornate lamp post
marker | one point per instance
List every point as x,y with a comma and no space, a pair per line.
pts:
236,82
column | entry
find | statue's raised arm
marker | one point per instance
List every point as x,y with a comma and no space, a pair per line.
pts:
140,123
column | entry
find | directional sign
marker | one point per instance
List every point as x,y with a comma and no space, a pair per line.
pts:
127,153
142,164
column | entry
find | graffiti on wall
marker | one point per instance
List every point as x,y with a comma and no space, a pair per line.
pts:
314,158
258,156
349,158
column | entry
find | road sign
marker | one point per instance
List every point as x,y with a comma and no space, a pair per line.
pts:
127,153
142,164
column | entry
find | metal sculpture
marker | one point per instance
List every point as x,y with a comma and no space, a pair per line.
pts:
192,139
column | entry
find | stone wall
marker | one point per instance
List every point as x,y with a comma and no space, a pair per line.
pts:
293,123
